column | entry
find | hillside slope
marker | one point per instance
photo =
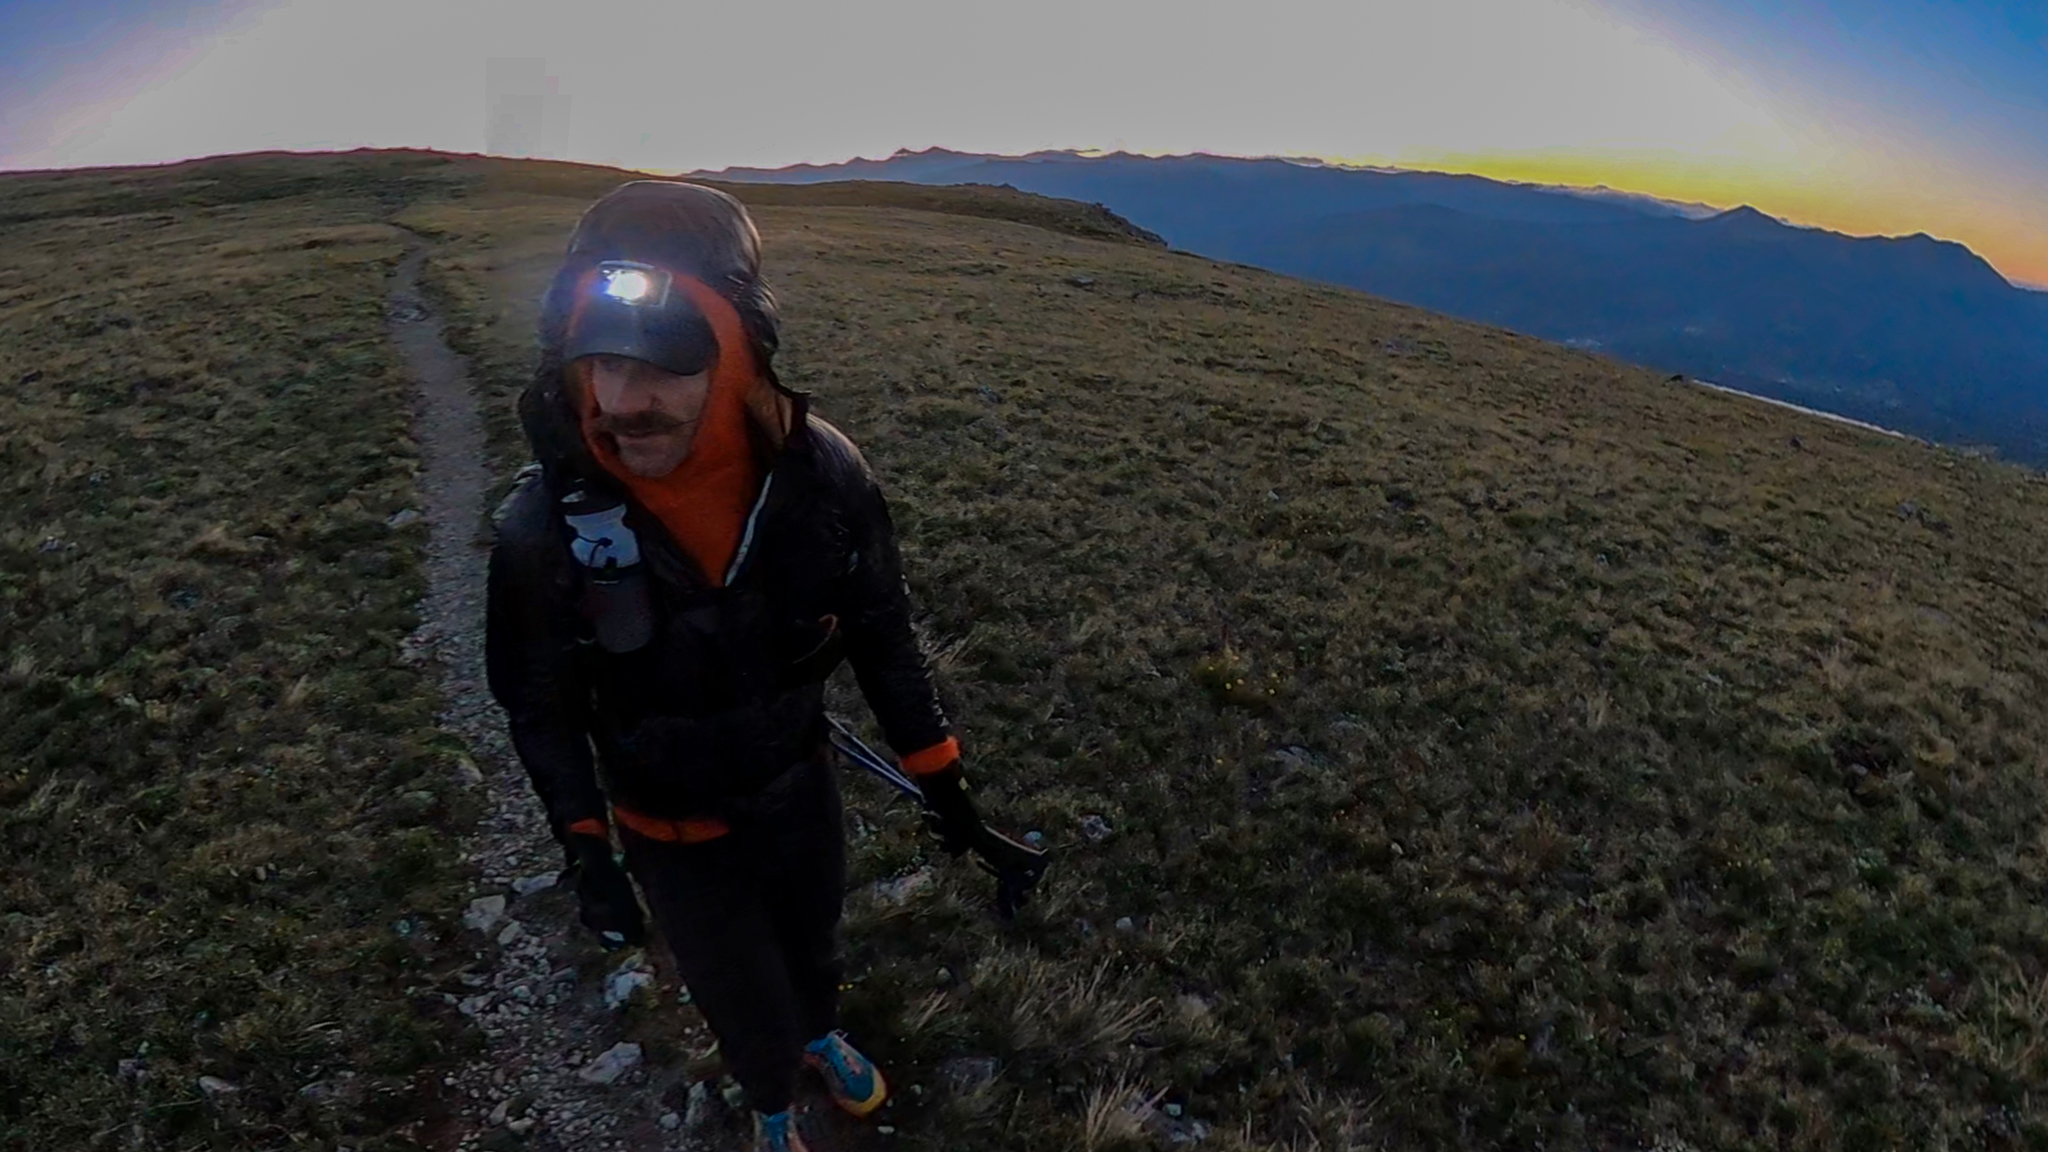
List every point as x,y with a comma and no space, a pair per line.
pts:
1498,746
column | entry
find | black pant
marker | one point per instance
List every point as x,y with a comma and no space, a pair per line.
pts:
753,921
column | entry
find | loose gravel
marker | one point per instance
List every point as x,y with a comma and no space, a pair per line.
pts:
557,1071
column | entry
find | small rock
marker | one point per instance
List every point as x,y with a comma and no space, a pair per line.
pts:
329,1090
734,1096
700,1110
1170,1125
484,913
521,1126
403,517
52,544
622,984
614,1063
886,1129
1124,924
468,772
1293,758
510,934
214,1086
132,1071
474,1005
1095,828
899,891
1081,281
670,1121
502,1112
528,885
964,1074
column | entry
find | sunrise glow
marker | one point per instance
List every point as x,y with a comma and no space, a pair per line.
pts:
1722,104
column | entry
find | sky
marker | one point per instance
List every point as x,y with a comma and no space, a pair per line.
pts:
1866,116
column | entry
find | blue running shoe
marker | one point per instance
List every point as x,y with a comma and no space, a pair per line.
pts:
855,1083
779,1134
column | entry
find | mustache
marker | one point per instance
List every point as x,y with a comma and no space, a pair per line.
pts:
639,424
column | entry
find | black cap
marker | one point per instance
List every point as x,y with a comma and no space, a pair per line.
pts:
631,308
688,229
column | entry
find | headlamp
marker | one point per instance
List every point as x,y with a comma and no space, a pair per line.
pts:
628,282
629,308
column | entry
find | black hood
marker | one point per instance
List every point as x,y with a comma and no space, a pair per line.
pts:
689,229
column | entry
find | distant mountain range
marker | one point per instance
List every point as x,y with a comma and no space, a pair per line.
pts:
1910,333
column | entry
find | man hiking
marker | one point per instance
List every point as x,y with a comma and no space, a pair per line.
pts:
691,557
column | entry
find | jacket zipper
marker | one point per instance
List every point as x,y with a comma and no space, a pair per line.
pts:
747,538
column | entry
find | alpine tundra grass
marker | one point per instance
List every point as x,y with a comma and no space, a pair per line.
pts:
225,813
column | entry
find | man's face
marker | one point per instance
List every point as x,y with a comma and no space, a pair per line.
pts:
652,415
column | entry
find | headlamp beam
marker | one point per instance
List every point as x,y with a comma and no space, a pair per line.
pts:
633,283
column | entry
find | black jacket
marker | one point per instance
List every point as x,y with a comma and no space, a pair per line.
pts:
730,692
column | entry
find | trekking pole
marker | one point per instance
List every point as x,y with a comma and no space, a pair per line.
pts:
844,739
1016,867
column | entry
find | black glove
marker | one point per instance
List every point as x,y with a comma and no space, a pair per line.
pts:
604,896
949,814
951,817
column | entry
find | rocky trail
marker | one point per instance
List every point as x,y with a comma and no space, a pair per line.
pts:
557,1071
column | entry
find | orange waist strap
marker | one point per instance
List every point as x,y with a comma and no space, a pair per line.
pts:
933,759
691,830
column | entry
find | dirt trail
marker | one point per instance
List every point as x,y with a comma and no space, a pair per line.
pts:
537,986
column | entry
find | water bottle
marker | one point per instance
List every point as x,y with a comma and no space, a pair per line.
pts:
622,609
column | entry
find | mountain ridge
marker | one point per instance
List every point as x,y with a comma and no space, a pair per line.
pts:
1909,331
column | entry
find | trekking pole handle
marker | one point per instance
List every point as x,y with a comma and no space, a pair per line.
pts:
1016,867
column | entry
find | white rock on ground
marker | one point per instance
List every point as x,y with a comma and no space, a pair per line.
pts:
900,890
615,1062
484,913
538,882
627,979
